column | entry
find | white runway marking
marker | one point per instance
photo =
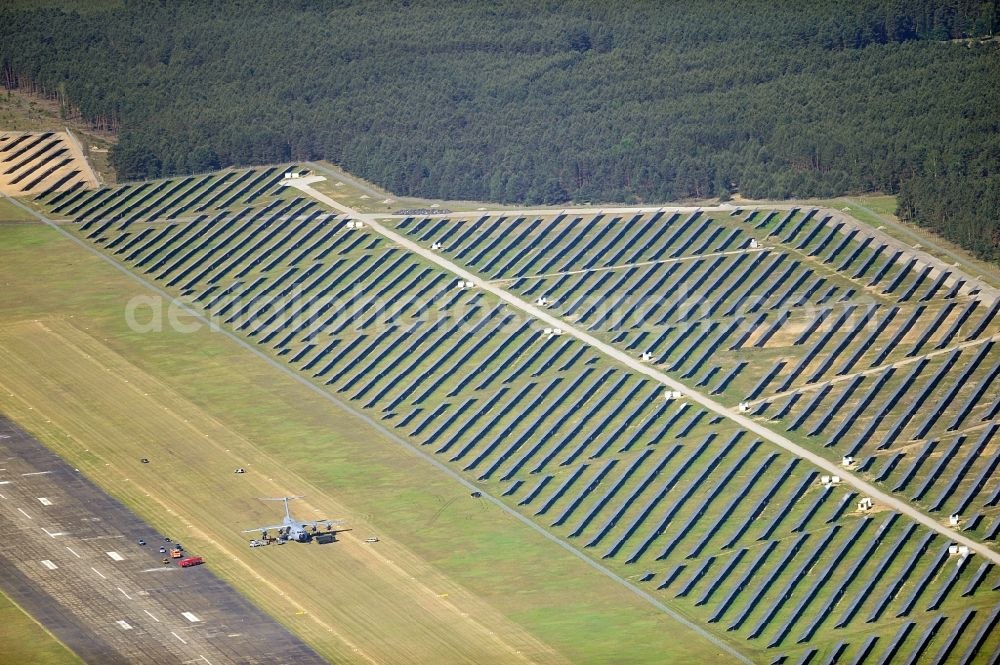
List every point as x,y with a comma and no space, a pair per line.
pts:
205,659
183,641
2,496
124,594
156,570
151,616
4,482
45,502
50,534
73,553
36,473
124,625
190,617
21,510
48,564
116,556
98,572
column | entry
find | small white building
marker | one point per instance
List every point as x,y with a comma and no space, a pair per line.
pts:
541,301
646,356
436,246
953,520
865,504
754,244
847,461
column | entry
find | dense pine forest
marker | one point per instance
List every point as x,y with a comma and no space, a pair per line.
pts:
548,101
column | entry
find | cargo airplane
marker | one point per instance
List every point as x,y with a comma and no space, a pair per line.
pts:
299,531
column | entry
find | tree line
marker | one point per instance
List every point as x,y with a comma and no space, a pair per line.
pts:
546,102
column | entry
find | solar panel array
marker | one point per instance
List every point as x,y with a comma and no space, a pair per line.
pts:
39,164
761,307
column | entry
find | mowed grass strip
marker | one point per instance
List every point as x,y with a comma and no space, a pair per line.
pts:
11,213
484,588
354,590
26,642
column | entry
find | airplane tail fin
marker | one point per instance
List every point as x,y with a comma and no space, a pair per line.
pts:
285,500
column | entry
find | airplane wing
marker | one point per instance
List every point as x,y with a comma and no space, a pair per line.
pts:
264,528
305,523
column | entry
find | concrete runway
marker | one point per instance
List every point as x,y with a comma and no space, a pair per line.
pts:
70,557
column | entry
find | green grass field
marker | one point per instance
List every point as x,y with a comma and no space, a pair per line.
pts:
476,560
27,643
883,204
12,213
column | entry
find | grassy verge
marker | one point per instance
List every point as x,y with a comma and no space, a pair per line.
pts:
12,213
368,197
879,211
883,204
27,643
